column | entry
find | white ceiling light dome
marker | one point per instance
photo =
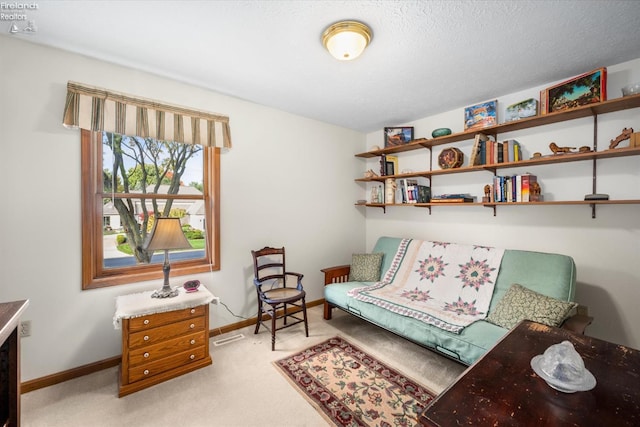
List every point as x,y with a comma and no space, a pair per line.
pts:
346,40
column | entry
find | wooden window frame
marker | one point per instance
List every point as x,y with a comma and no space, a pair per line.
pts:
94,275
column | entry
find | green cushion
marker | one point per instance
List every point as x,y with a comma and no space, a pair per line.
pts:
520,303
388,246
365,267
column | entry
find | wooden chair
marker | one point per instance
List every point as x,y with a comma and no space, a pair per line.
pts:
274,294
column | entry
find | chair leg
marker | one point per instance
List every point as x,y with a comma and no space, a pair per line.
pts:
304,313
285,314
273,329
259,316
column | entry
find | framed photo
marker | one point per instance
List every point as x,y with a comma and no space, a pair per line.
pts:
587,88
391,165
397,136
521,110
481,115
389,168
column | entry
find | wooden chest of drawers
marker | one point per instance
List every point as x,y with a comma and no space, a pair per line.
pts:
158,347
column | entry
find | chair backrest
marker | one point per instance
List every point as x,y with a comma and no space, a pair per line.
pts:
269,264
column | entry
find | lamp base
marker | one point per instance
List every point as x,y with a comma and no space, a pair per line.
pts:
165,293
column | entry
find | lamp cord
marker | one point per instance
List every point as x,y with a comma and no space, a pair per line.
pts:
232,313
211,272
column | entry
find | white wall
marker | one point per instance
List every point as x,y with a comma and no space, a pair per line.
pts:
287,181
606,249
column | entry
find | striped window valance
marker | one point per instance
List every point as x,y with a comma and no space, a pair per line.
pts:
97,109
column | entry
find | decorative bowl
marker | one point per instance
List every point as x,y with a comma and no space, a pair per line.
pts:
191,285
440,132
632,89
450,158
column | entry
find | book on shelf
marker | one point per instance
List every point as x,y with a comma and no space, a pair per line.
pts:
423,194
517,151
457,200
391,165
490,152
511,150
516,188
508,189
498,182
408,189
486,151
411,188
453,198
544,102
527,180
476,158
400,194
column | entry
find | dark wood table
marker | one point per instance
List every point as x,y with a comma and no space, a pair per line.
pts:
501,388
10,313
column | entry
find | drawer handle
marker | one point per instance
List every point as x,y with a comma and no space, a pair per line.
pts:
146,355
192,326
193,342
193,310
193,356
146,321
146,338
146,372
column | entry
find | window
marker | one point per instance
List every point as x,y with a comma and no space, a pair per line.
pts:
127,182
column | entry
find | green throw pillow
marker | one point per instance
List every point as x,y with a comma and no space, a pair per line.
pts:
365,267
520,303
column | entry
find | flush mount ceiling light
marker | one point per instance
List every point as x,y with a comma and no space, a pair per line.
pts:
346,40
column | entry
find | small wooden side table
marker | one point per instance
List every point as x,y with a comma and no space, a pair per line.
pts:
501,388
162,338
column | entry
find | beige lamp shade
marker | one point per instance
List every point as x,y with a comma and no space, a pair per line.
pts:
346,40
166,235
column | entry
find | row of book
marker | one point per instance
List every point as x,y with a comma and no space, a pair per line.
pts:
486,151
515,188
412,192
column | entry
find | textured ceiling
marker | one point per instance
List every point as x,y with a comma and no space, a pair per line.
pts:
425,57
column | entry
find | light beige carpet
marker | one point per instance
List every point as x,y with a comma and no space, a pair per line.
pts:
240,389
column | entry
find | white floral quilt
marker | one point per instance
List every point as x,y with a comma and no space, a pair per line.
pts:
443,284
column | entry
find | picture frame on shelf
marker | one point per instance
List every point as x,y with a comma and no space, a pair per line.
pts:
394,136
521,110
391,165
587,88
389,168
481,115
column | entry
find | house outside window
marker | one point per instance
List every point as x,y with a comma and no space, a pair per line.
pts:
127,183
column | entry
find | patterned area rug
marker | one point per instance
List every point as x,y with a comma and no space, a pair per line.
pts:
351,388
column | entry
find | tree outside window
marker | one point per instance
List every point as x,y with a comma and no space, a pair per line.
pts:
130,181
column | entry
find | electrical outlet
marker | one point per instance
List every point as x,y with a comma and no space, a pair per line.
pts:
25,328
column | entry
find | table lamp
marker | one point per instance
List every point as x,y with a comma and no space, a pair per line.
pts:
166,235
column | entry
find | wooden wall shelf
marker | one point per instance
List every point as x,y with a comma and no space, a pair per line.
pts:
611,106
618,104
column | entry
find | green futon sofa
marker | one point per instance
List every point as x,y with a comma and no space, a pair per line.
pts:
549,274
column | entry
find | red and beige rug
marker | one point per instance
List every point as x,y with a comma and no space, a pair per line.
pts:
351,388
